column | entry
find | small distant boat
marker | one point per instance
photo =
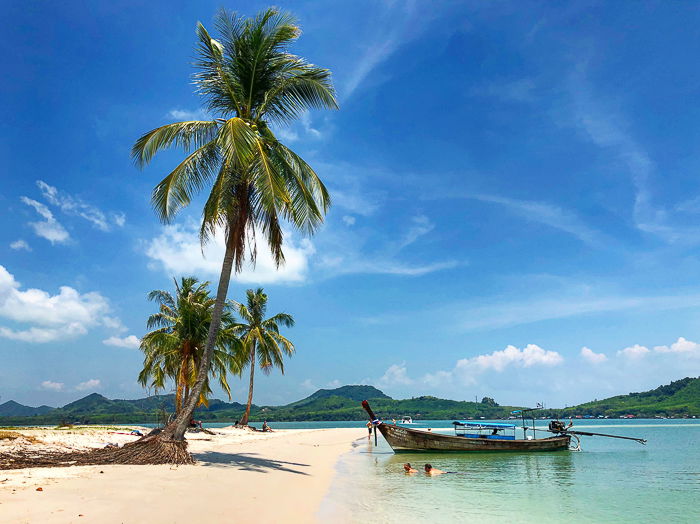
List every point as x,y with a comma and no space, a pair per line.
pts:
482,436
406,420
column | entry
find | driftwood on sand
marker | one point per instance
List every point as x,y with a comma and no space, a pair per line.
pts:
151,449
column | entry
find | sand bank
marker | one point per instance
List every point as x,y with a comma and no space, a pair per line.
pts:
240,475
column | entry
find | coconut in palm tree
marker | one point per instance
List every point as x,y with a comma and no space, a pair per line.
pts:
249,81
263,345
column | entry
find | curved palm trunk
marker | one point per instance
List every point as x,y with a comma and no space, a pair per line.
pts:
246,415
178,395
176,430
182,388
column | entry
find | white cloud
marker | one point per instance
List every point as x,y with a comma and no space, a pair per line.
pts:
359,263
396,374
126,342
177,251
40,335
467,370
606,127
72,205
51,317
49,228
634,352
308,384
353,188
351,199
20,244
287,134
348,251
349,220
547,214
308,126
492,316
302,127
52,386
187,114
550,377
392,29
114,323
680,346
119,219
375,55
591,356
531,355
93,383
438,379
420,226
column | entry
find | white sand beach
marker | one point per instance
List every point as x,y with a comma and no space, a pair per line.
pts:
240,475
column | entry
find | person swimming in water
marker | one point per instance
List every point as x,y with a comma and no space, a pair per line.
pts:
408,469
430,470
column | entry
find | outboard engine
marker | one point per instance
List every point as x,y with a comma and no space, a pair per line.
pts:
557,426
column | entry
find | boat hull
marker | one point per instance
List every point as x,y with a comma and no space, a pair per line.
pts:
404,440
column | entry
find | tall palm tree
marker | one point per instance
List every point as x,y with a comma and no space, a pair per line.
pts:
263,345
173,349
249,79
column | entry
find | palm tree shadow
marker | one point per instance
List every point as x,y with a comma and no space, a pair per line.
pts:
247,462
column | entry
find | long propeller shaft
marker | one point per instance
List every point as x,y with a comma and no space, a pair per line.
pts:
588,434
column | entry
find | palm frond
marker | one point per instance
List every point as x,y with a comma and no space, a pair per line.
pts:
280,318
304,87
187,135
177,189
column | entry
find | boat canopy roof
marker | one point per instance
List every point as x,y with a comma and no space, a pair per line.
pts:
484,425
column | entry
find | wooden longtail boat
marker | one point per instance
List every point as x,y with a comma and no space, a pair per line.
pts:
403,439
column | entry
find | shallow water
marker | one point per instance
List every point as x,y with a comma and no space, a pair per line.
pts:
610,480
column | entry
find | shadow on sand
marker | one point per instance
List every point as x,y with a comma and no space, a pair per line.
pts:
248,462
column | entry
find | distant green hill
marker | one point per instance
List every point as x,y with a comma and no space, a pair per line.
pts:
680,398
15,409
341,403
357,393
98,409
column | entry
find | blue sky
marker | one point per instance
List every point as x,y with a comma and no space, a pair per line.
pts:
516,198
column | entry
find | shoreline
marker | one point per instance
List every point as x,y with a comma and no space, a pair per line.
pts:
267,477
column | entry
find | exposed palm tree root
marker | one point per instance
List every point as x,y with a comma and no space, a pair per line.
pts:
152,449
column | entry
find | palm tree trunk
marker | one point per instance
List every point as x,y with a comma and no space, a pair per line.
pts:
182,378
178,395
176,430
186,376
244,420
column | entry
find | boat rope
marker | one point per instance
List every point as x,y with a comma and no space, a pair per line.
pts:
577,447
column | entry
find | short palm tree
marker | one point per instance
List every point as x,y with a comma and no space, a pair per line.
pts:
263,345
173,349
249,80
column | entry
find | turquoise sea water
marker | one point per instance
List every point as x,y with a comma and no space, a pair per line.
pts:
610,480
